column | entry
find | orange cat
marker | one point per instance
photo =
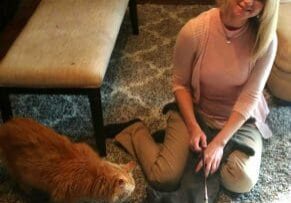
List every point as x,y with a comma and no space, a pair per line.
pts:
38,157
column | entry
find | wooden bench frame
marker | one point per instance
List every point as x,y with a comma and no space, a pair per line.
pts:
93,94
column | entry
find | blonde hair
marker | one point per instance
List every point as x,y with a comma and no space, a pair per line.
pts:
264,26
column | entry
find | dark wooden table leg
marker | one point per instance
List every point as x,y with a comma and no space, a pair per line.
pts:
5,105
133,16
97,119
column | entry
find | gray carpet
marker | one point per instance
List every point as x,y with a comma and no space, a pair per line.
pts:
137,84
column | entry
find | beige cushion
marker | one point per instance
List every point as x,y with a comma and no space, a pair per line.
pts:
283,59
279,84
285,1
66,43
279,81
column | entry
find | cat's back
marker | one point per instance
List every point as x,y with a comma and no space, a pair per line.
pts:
17,132
22,131
23,135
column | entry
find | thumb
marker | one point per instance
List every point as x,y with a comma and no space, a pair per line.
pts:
203,141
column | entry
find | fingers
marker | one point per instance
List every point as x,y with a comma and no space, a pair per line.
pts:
215,166
203,141
194,143
206,168
212,158
211,166
197,143
199,166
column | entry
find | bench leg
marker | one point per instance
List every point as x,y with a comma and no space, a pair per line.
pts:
133,16
97,119
5,105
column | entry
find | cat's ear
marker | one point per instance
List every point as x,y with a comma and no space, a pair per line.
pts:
130,166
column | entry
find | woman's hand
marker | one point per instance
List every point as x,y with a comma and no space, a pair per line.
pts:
198,140
212,156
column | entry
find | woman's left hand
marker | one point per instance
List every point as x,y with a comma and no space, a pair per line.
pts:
212,156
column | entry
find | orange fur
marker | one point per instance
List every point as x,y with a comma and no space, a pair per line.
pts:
37,156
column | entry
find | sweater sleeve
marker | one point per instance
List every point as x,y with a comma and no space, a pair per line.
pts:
184,54
253,89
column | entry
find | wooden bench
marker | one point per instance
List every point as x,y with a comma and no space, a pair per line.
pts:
65,48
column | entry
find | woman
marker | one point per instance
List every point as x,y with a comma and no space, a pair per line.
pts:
222,60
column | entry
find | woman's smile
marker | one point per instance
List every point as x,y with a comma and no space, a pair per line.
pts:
246,8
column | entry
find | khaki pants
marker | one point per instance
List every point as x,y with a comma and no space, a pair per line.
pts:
163,164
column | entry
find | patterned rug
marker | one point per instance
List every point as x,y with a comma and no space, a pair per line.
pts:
138,84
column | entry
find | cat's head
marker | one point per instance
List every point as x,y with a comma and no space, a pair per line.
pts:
121,181
124,182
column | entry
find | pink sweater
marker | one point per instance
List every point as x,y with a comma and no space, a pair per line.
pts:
219,75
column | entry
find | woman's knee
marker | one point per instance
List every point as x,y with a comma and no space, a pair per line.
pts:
237,175
164,180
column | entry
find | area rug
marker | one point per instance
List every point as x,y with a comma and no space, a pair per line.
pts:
138,84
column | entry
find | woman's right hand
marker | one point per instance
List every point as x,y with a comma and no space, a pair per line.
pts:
197,137
198,140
